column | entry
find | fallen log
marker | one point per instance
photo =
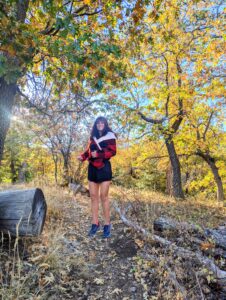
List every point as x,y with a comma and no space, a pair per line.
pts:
219,275
163,223
22,212
218,235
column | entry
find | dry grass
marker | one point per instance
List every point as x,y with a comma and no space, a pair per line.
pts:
175,277
151,205
39,268
30,277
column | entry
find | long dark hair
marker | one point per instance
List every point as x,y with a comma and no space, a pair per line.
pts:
95,132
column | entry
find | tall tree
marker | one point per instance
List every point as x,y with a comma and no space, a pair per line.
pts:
166,53
203,135
66,39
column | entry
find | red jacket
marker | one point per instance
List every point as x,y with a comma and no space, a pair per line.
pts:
107,144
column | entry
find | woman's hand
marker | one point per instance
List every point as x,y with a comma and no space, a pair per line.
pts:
79,158
94,153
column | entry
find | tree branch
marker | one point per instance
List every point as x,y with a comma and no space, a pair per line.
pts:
220,275
150,120
32,104
90,14
167,83
207,126
180,114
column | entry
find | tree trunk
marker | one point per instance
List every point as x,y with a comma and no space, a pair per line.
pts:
22,212
56,169
187,176
8,90
55,160
211,162
7,94
66,169
22,172
169,179
13,171
177,185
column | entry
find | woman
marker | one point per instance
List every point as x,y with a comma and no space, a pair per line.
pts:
101,147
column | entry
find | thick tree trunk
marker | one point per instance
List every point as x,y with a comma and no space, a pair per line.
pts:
211,162
22,212
8,90
177,185
7,94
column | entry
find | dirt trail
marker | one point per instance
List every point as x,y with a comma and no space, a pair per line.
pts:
108,263
64,263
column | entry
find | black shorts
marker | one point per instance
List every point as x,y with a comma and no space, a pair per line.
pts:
100,175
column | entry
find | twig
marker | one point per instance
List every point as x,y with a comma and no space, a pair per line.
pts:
197,279
173,278
220,275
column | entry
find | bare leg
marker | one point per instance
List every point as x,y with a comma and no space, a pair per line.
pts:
104,189
94,194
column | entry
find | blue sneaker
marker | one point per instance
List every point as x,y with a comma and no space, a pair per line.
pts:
94,228
107,231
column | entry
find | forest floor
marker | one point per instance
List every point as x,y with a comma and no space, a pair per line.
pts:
64,263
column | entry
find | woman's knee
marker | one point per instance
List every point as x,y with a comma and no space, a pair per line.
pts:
94,197
104,197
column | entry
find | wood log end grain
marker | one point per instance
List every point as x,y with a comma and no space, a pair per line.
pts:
23,212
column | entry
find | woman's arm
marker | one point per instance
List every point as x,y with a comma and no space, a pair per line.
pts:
108,151
85,154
